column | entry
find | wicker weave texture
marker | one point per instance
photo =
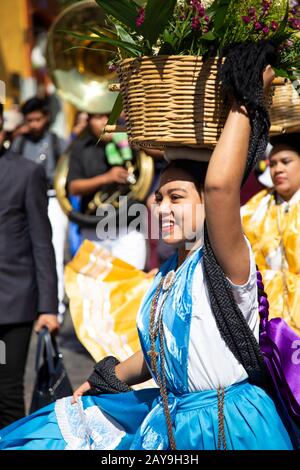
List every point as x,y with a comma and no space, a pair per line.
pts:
285,110
177,101
171,101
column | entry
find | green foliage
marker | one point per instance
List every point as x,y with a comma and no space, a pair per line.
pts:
180,27
200,27
122,10
161,12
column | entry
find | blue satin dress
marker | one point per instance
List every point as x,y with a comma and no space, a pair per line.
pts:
135,420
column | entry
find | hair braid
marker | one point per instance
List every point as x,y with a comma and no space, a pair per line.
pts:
241,77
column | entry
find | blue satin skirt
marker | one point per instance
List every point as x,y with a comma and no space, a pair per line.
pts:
135,420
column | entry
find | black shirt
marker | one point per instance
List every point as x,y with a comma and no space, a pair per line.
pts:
87,160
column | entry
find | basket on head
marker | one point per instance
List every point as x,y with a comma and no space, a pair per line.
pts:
172,101
285,110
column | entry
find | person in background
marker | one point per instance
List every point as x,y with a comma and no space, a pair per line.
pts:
90,171
44,147
75,239
271,221
28,280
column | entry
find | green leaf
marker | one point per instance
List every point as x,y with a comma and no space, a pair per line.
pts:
281,72
209,36
281,30
220,7
90,49
125,11
126,46
124,35
114,115
116,111
157,15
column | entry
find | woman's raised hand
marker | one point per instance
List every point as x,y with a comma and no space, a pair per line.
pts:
268,77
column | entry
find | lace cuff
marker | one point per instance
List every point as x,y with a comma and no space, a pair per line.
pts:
104,380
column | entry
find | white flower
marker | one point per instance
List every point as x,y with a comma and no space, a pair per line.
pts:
207,3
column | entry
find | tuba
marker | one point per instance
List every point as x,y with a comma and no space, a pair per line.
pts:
79,70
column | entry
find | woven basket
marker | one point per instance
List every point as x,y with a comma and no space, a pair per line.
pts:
172,101
285,110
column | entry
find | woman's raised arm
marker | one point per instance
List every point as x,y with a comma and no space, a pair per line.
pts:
222,192
222,196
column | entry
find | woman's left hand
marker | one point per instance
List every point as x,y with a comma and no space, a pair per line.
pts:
85,387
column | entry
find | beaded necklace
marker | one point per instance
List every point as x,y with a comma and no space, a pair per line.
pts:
157,329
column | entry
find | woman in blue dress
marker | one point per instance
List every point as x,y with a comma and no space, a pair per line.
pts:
198,328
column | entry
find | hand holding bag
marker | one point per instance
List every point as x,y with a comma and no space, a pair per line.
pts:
52,381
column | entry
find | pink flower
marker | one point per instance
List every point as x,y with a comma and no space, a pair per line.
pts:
196,5
246,19
112,68
257,26
289,43
140,18
201,10
252,11
266,30
295,23
266,6
195,23
274,25
294,10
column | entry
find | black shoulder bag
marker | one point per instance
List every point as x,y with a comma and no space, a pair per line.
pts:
52,381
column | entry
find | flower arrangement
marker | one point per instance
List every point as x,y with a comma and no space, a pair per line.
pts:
202,27
198,28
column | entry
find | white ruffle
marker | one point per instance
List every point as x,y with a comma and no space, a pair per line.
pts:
86,429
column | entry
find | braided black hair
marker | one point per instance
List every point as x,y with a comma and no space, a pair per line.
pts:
291,141
241,76
197,170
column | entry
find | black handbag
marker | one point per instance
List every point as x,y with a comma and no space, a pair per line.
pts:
52,381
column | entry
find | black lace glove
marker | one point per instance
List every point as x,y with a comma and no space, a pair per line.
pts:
104,380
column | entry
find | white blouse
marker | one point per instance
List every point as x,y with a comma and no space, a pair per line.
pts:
211,364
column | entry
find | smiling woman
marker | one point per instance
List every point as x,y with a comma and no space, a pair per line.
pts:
180,203
198,327
271,220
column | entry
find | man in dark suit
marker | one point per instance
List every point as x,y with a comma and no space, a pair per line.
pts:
28,281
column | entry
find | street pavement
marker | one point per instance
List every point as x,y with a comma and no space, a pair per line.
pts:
77,360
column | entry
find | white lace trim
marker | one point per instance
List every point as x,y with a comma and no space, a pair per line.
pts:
88,429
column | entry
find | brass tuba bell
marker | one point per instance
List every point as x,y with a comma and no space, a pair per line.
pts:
79,70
